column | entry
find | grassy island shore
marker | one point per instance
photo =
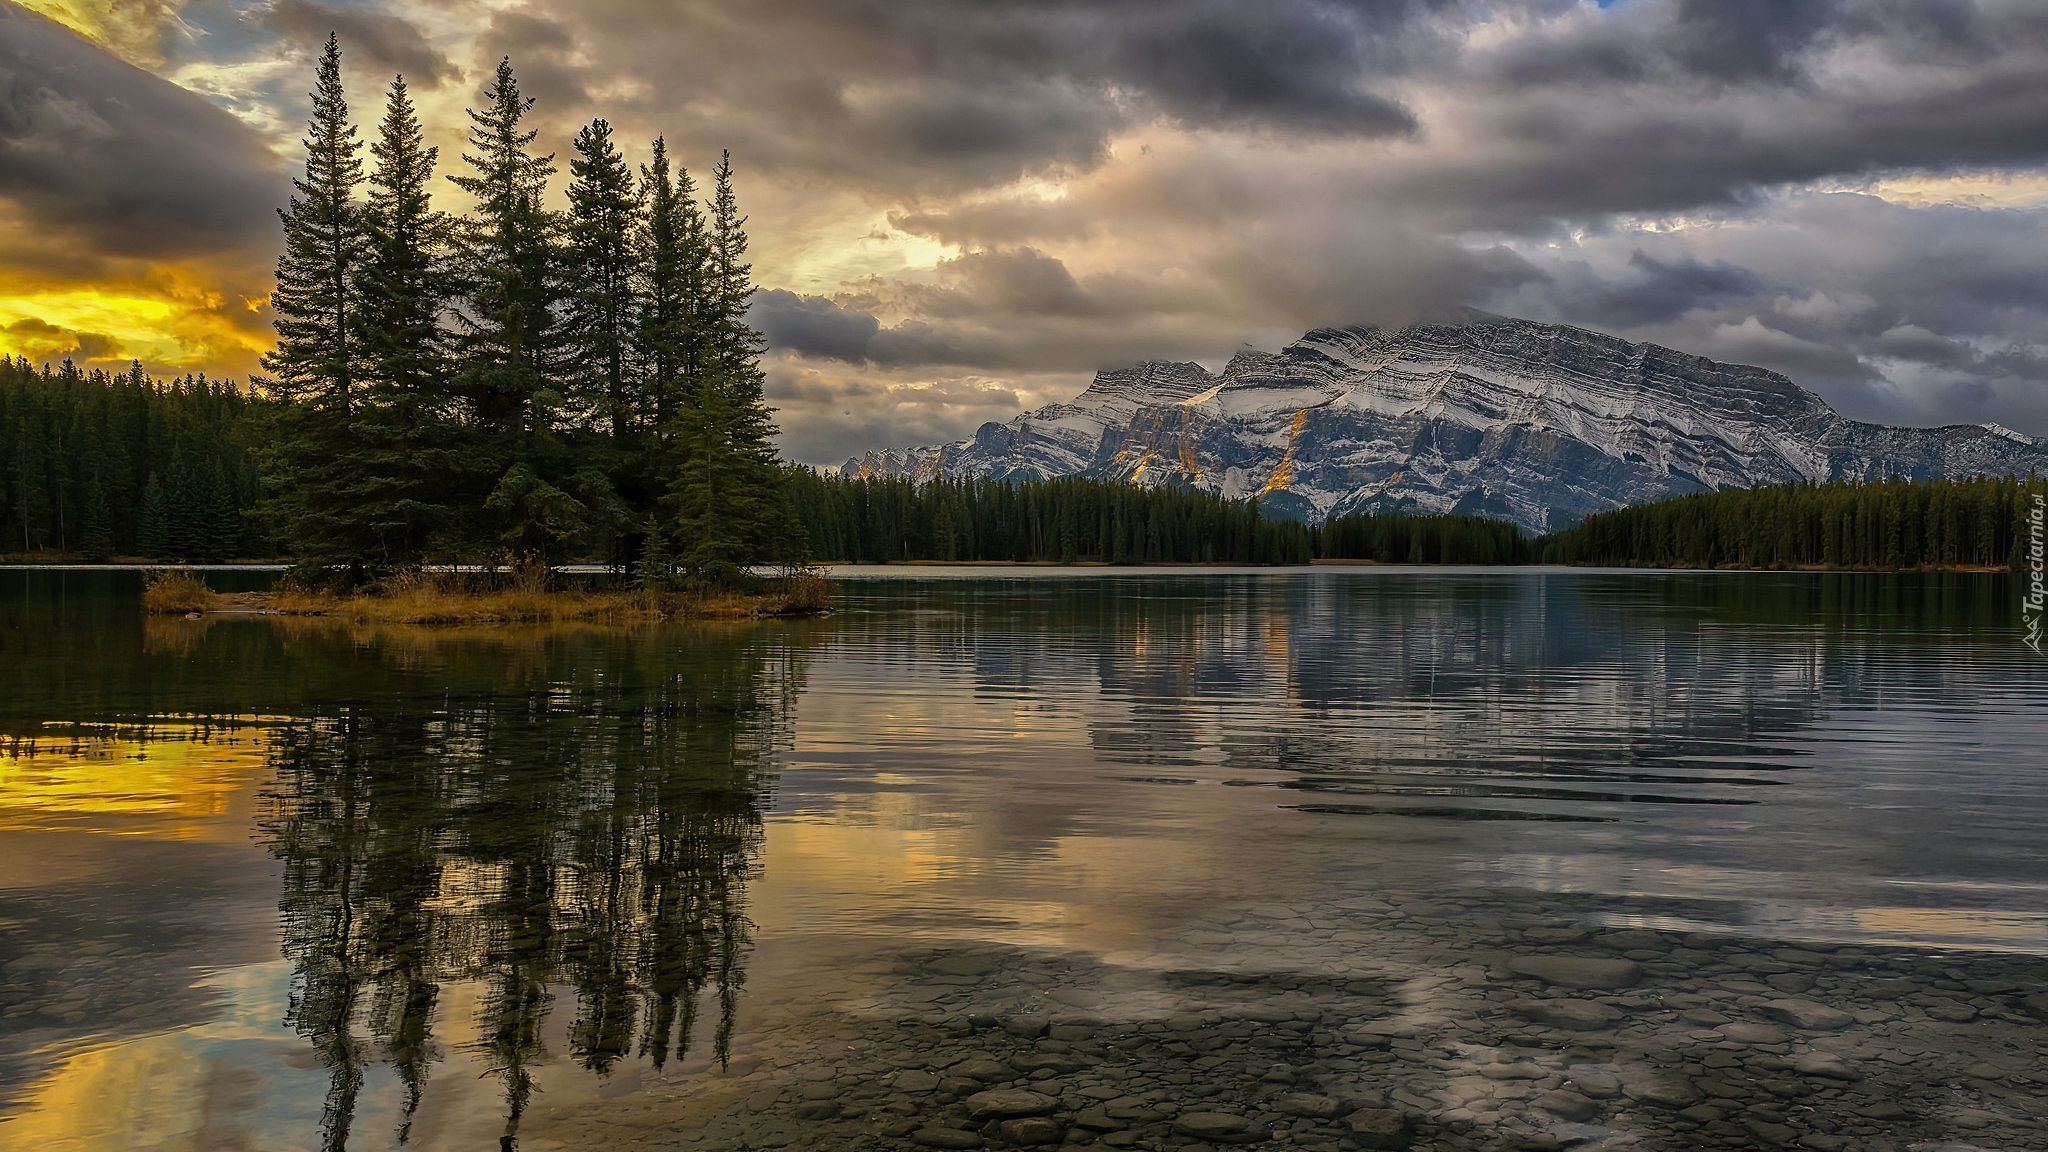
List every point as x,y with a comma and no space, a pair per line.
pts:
431,599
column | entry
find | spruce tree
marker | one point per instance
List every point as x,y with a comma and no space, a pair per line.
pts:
33,495
605,207
189,509
671,250
407,431
673,253
317,294
735,348
97,536
656,568
511,340
153,538
729,507
604,215
316,366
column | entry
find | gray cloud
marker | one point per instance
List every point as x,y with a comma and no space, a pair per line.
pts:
1654,291
375,43
812,326
129,164
1126,179
550,70
929,94
1235,171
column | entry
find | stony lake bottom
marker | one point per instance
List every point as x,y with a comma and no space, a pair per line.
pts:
1328,859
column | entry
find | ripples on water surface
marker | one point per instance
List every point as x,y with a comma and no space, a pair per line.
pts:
1342,859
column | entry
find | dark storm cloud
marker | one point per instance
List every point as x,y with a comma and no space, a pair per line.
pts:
812,326
129,163
936,95
1661,107
1286,65
1656,290
375,43
1747,39
1892,313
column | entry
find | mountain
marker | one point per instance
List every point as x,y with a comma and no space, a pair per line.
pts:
1541,424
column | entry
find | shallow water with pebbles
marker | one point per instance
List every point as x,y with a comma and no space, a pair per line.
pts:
1061,860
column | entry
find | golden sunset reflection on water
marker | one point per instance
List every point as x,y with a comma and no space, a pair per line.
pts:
173,780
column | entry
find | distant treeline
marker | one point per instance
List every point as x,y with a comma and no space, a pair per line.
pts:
879,521
100,465
1972,522
1396,539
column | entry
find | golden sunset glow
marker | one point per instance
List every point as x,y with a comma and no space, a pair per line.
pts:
173,319
132,29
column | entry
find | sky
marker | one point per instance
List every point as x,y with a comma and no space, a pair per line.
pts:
963,209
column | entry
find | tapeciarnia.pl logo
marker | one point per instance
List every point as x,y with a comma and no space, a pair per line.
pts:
2035,598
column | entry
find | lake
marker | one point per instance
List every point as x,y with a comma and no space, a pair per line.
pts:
1336,859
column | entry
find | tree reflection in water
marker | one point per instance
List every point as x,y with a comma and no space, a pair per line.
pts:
587,819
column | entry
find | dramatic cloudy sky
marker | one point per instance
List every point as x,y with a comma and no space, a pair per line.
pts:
964,208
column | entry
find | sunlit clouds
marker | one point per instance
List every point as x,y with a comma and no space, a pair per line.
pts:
963,209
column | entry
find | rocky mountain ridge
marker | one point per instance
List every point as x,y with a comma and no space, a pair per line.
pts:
1541,424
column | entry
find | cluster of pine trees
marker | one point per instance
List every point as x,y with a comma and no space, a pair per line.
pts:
101,465
1971,522
519,380
878,521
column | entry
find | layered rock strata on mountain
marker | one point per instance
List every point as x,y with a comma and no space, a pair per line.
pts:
1541,424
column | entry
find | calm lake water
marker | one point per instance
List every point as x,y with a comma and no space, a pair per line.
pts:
1340,859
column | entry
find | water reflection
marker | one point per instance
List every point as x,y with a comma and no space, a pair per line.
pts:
1138,844
594,832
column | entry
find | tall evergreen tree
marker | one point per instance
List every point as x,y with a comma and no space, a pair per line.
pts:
605,208
317,363
317,296
32,487
98,534
673,252
154,536
728,508
407,433
735,348
511,340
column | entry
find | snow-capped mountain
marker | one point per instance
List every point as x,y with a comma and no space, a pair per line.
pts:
1537,423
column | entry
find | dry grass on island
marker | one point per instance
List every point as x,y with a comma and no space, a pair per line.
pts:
429,599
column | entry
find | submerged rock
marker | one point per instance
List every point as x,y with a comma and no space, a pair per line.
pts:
1807,1015
1568,1105
1574,1015
1308,1104
1578,971
1032,1130
1006,1102
1382,1128
1222,1127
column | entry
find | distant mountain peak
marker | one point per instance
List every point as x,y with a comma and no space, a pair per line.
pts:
1538,423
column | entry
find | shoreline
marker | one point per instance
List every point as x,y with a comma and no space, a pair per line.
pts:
431,602
7,564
